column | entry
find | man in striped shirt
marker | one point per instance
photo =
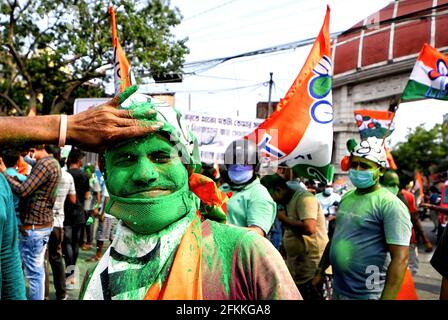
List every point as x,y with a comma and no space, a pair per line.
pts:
38,194
65,190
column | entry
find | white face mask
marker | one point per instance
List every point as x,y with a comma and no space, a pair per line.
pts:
328,191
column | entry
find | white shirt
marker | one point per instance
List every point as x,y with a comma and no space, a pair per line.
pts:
326,202
65,187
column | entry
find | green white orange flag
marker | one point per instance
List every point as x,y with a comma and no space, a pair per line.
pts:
429,78
122,69
299,134
418,187
374,123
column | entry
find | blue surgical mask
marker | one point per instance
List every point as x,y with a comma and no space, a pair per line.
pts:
362,179
240,174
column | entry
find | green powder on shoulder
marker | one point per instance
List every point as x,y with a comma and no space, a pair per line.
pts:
226,239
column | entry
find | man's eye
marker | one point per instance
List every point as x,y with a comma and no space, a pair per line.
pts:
364,165
160,157
125,159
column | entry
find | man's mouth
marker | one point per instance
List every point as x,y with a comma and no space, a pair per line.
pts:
153,193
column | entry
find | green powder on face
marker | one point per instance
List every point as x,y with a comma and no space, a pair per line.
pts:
226,239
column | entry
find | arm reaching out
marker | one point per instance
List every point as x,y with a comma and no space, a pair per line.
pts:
91,130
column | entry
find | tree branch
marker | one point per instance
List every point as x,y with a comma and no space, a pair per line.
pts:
19,63
24,8
57,108
12,103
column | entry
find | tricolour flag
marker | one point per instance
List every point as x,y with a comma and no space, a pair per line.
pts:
299,134
429,78
122,69
374,123
390,159
418,187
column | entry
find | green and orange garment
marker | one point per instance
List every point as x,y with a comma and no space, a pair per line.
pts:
212,260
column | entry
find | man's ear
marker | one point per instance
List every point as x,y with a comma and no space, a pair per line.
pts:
382,171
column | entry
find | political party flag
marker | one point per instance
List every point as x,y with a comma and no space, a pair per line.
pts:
418,187
429,78
374,123
122,69
299,133
390,159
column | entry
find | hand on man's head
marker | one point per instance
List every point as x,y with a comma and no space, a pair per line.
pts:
96,128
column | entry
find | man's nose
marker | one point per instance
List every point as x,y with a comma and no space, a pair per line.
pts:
145,172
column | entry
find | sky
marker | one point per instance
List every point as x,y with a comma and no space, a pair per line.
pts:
221,28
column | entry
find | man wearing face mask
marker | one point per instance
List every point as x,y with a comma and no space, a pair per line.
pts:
329,202
391,181
250,205
371,222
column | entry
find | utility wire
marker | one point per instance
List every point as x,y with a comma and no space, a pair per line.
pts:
211,63
257,85
209,10
193,68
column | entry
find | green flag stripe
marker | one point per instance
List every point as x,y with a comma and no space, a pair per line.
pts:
415,90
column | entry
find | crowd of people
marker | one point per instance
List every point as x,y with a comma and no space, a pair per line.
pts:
181,229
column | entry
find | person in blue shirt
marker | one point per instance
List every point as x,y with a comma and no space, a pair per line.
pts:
12,284
10,158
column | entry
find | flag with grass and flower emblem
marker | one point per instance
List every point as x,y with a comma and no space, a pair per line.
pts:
374,123
299,134
429,78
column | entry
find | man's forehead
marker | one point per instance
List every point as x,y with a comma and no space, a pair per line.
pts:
156,139
356,159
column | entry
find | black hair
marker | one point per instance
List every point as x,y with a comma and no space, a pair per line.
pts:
62,161
274,181
10,157
54,150
75,156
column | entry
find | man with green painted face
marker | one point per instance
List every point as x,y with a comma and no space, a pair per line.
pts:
165,247
371,223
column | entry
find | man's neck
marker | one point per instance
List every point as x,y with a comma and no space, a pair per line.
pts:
359,191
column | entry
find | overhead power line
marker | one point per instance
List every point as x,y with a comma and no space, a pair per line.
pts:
204,65
209,10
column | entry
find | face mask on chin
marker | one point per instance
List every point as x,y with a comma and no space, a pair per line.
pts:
240,174
362,179
150,215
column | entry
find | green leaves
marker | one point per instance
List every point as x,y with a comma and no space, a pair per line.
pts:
423,150
63,44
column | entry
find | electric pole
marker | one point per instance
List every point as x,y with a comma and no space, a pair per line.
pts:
270,91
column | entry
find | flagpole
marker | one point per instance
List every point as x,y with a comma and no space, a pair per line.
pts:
390,123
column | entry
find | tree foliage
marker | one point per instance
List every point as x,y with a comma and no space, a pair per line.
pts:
52,51
424,150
